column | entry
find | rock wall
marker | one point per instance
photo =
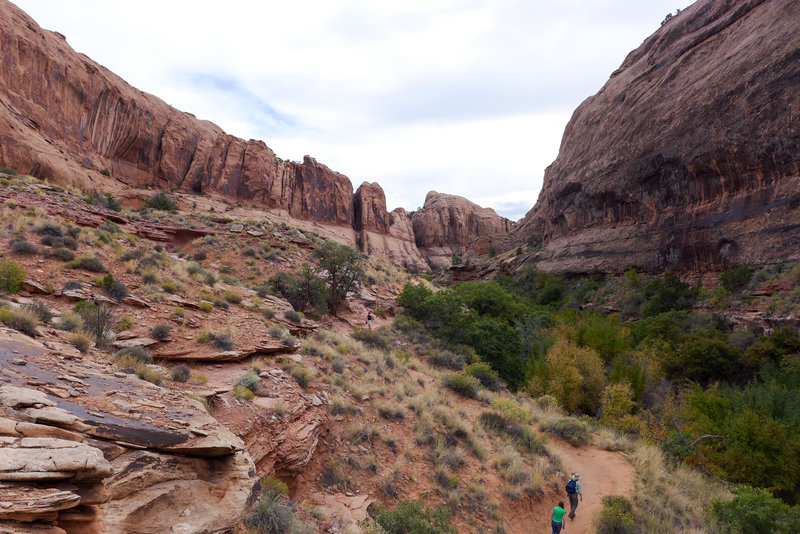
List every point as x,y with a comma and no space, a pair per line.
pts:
66,118
689,156
449,225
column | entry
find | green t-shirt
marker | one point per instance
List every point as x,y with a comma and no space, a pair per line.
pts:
558,513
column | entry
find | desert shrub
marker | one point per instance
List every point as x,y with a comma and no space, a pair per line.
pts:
511,409
110,227
12,274
62,254
181,373
149,276
250,380
339,363
117,291
125,323
616,406
221,340
160,201
249,252
200,255
40,310
137,352
734,279
232,297
414,516
772,348
272,514
144,372
169,286
485,375
521,436
344,271
97,319
23,247
703,356
80,340
666,294
302,375
754,510
390,410
290,341
8,170
221,303
371,338
206,306
241,393
88,264
616,517
445,358
292,316
161,332
464,385
49,228
572,430
69,322
20,320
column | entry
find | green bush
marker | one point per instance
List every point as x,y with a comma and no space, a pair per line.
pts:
62,254
8,170
485,375
232,297
572,430
241,393
97,319
160,201
448,359
40,310
12,274
80,340
666,294
206,306
734,279
221,340
371,338
69,322
302,375
755,510
414,517
250,380
616,517
465,385
523,438
292,316
88,264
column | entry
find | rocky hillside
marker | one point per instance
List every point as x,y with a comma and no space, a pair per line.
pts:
68,119
689,156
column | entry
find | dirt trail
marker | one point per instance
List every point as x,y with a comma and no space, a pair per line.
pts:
602,473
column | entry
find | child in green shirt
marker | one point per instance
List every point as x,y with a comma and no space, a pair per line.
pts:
558,518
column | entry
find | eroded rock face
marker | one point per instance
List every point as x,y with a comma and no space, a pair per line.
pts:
689,156
87,450
449,225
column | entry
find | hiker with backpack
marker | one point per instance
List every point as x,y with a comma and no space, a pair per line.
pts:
574,492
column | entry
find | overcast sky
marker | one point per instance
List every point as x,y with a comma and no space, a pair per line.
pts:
468,97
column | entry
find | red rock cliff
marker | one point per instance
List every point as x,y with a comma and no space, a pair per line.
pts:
449,225
689,156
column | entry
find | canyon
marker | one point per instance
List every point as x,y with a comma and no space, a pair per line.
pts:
69,120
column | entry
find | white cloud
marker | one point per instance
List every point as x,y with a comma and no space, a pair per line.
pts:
468,97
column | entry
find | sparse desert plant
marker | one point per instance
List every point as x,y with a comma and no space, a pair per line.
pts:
87,263
49,228
145,372
523,438
362,432
124,324
338,364
250,380
302,375
69,322
206,306
198,380
485,374
161,332
117,291
23,248
371,338
169,286
137,352
276,331
160,201
232,297
12,274
97,320
221,340
62,254
80,340
290,341
389,410
464,385
242,394
181,373
149,276
448,359
20,320
616,517
414,516
292,316
40,310
573,430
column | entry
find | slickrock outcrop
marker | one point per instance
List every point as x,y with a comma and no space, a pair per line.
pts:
83,449
689,156
449,225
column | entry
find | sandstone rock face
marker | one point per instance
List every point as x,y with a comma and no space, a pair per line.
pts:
449,225
689,156
85,450
66,118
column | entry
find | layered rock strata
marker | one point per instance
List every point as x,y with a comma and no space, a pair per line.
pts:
65,118
449,225
84,449
689,156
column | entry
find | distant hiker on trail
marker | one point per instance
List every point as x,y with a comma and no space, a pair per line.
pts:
573,492
558,518
369,320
